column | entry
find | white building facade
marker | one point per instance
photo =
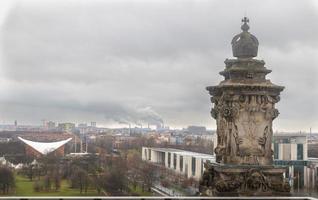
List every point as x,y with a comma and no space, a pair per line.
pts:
191,164
291,150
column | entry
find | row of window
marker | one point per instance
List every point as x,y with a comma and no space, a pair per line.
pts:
300,151
174,164
193,162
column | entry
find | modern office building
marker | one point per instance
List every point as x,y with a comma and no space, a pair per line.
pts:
93,124
290,150
188,163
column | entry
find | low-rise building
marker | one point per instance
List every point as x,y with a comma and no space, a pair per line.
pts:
188,163
290,150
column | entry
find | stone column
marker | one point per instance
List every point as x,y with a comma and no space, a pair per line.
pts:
178,163
244,110
280,151
293,151
171,160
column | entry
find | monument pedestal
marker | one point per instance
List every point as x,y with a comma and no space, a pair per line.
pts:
244,110
243,180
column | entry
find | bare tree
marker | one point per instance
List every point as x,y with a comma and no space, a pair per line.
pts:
7,181
133,165
148,174
80,179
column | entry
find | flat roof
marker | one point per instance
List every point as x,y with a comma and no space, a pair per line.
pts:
290,134
184,152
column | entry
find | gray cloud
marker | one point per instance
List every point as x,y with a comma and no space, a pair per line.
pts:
107,61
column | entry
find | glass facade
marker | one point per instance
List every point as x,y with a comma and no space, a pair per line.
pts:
193,165
175,161
298,177
181,163
149,152
163,158
186,169
300,152
202,164
276,151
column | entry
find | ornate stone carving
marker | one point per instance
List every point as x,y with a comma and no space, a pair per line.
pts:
258,180
245,121
244,110
263,140
244,44
255,180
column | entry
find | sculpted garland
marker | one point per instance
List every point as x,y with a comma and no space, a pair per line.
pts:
244,126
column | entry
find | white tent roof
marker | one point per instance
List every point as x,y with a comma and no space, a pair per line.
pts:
45,147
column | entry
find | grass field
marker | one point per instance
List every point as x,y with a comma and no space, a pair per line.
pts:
24,187
139,191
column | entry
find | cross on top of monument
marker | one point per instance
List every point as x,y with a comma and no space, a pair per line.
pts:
245,20
245,26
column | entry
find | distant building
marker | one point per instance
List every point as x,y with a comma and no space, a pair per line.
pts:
84,125
93,124
188,163
290,150
196,129
5,140
38,149
67,127
162,128
312,174
176,140
51,125
123,142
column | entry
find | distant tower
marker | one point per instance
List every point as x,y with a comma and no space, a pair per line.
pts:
244,110
15,123
93,124
44,123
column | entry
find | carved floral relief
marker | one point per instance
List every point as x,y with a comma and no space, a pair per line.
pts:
244,128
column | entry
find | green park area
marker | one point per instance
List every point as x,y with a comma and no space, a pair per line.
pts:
24,187
138,191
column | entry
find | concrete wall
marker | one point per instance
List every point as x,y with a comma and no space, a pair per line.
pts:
157,157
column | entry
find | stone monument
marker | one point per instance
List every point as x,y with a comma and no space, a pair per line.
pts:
244,109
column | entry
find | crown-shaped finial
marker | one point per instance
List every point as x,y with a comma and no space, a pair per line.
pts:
245,45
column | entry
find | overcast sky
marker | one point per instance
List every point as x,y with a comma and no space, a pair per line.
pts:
146,61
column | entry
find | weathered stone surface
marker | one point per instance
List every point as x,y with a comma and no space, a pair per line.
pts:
244,110
244,45
253,180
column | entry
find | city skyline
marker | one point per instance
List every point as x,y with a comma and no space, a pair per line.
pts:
119,62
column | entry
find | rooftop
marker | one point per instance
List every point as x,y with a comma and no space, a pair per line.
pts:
184,153
45,147
298,134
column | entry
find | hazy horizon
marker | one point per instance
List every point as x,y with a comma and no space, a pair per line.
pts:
145,62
